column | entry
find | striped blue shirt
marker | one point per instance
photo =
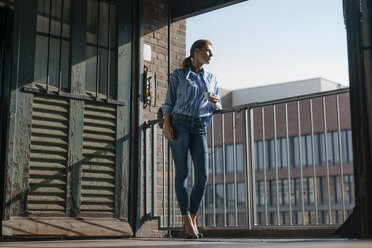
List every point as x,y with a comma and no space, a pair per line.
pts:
185,93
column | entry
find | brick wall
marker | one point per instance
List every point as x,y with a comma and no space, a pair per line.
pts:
156,36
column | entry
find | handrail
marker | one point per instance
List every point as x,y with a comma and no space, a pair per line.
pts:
266,103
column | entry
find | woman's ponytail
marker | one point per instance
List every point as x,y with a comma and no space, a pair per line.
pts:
186,62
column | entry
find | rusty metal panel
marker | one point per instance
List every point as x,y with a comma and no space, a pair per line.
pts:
23,44
99,156
123,112
48,158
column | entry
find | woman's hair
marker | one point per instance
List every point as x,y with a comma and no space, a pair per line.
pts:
197,44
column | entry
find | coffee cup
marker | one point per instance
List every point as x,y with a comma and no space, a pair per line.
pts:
207,95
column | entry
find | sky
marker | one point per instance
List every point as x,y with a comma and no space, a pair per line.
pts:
261,42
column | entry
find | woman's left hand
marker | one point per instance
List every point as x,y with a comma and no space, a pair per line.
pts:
214,100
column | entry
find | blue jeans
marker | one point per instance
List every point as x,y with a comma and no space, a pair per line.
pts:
190,133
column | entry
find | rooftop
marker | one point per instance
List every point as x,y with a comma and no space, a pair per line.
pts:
282,90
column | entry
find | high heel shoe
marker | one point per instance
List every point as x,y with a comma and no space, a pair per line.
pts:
200,235
190,236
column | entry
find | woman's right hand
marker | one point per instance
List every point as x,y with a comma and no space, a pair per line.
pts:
168,130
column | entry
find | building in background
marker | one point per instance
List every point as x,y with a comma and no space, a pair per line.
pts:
302,152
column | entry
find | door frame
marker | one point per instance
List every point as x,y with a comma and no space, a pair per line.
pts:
6,23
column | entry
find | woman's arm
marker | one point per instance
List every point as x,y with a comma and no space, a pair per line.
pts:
168,105
171,96
168,130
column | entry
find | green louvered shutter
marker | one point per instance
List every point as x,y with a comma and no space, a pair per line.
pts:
48,159
98,171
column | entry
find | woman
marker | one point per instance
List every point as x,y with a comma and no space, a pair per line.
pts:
191,99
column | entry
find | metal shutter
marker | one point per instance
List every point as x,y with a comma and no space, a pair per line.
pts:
98,171
48,161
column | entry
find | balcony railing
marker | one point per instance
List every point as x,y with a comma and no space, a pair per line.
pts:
285,162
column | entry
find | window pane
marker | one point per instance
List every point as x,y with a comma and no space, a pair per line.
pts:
322,188
303,151
209,196
308,190
239,157
283,142
335,145
317,149
284,192
344,146
103,53
272,193
229,159
330,147
309,150
337,189
350,146
322,149
230,195
296,155
52,50
270,154
280,189
218,158
259,193
241,194
219,196
279,153
259,155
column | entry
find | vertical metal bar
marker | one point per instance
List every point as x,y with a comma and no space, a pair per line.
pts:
288,165
234,167
163,223
154,170
276,167
264,163
169,21
192,173
326,158
300,161
223,168
49,39
248,167
147,172
60,51
98,62
252,193
213,173
340,158
203,214
108,50
169,185
173,196
313,160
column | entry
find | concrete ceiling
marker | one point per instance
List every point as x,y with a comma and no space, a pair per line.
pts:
187,8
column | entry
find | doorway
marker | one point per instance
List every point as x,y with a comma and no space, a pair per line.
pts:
6,17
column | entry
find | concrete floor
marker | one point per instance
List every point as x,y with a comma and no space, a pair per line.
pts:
204,243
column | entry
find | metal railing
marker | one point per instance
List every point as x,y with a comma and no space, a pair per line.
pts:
281,162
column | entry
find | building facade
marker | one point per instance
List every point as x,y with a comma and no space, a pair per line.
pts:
75,93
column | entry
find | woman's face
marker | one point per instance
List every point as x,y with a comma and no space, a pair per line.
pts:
203,56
